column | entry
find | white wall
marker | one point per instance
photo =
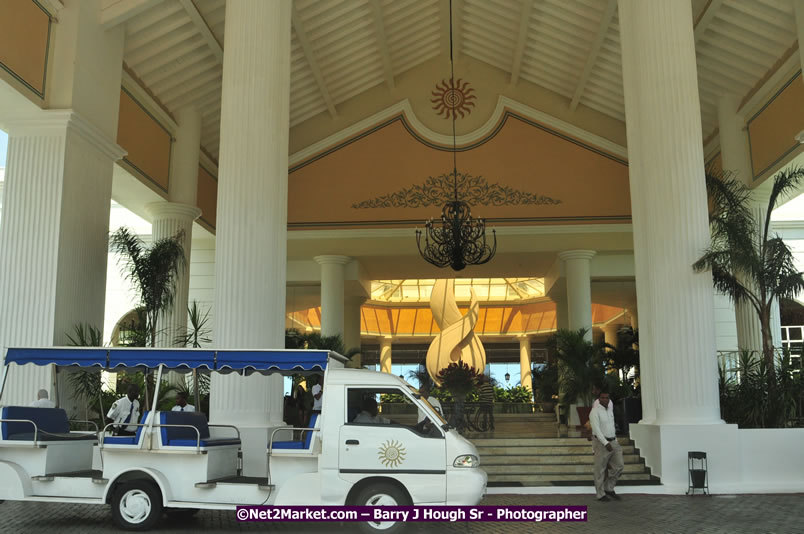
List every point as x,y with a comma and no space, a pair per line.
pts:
725,323
202,278
739,460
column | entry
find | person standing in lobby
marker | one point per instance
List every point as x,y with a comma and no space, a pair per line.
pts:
608,464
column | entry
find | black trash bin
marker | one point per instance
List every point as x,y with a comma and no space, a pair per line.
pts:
698,472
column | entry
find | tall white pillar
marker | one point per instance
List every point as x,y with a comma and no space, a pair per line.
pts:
57,192
734,151
177,215
333,278
352,320
668,197
579,289
385,354
251,243
525,377
798,9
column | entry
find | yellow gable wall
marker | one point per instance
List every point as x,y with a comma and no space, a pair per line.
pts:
372,179
24,40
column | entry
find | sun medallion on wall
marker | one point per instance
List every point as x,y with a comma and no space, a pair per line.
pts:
453,98
392,453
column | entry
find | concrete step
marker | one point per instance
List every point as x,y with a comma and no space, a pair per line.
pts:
562,469
538,442
547,479
543,450
549,459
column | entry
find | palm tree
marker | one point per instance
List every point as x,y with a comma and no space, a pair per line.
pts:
152,271
580,365
748,263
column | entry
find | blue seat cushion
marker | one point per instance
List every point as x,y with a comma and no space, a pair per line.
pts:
301,445
288,445
47,436
127,440
51,420
203,443
185,436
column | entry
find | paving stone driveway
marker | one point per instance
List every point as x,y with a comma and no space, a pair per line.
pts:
633,514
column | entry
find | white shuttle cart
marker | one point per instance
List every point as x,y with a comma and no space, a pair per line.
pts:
177,462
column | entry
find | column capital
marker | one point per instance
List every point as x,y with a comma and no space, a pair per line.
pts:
172,210
577,254
329,259
57,122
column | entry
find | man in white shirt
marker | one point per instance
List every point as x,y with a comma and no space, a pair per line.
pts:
318,395
42,400
370,414
608,454
424,391
181,403
125,413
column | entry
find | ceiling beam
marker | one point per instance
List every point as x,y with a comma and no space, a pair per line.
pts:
602,30
116,12
524,24
382,41
203,29
307,48
457,8
706,18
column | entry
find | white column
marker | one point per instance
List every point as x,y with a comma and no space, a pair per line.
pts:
352,320
177,215
251,244
579,289
798,8
668,197
525,363
53,238
385,354
333,275
734,151
57,191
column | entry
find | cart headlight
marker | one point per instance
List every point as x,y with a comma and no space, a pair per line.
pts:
466,460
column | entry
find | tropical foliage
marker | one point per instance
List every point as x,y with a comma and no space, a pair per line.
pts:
580,365
748,262
752,397
458,378
151,271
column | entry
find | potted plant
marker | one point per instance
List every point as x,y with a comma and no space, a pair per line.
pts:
459,379
545,386
623,359
580,369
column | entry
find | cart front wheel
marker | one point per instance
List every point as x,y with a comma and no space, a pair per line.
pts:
137,505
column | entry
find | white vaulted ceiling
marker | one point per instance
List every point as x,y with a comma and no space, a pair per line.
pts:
341,48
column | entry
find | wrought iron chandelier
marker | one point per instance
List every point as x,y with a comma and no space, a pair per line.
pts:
458,239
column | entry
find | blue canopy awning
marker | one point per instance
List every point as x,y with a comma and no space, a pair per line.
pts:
171,358
79,356
272,360
261,361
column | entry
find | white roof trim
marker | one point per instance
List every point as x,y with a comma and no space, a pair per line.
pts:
503,103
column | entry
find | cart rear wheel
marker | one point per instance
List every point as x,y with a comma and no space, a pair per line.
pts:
382,494
137,505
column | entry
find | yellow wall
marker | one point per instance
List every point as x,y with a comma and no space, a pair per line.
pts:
147,142
772,130
342,186
207,197
24,41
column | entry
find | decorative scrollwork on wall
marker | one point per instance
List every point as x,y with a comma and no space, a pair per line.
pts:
474,190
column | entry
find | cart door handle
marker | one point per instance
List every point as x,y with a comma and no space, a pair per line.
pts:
352,442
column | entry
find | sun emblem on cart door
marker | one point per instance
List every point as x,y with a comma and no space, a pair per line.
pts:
392,453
